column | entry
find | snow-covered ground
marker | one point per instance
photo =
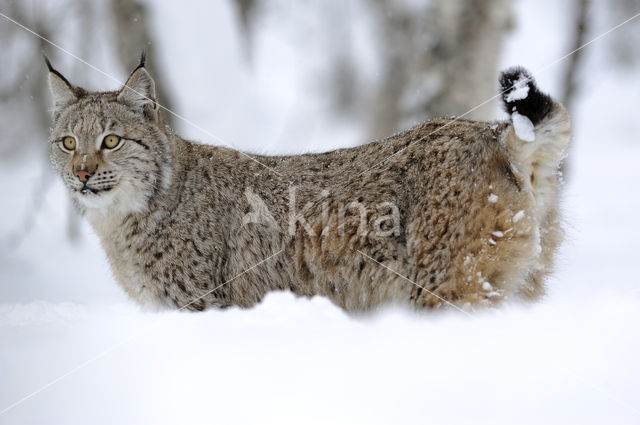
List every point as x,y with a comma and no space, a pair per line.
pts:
572,358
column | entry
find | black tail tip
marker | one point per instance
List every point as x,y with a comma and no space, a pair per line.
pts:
521,94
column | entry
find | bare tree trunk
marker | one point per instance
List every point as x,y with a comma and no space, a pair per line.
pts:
571,75
247,11
581,10
438,57
395,47
440,60
132,36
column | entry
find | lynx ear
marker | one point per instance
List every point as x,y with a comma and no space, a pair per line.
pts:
61,90
139,92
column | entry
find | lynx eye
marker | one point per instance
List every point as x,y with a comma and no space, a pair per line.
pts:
69,143
110,141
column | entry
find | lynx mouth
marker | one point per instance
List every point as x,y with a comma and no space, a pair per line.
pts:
85,190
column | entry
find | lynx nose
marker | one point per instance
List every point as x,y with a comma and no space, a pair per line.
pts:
83,174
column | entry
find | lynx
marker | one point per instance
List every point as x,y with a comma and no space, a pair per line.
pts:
451,213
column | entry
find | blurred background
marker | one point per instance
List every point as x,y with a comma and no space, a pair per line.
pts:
282,77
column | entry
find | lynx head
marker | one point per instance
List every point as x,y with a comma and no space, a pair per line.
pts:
109,147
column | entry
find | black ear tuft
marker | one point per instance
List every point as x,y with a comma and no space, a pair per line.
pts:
62,92
143,59
139,93
49,66
521,94
54,71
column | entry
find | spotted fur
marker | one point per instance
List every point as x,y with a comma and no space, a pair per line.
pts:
476,208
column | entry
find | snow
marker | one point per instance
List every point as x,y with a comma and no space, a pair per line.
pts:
520,89
523,127
518,216
492,198
571,358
